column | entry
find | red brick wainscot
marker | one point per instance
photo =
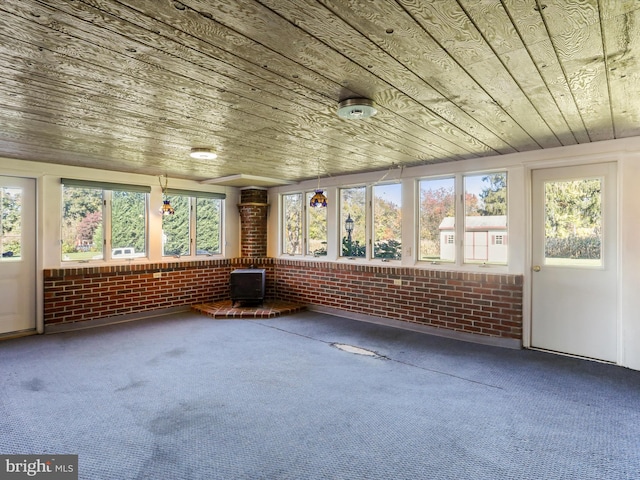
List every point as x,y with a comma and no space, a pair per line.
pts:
90,293
476,303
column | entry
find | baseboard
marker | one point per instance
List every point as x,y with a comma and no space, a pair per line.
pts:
414,327
99,322
18,334
512,343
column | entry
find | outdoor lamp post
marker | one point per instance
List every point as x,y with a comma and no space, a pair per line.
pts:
348,226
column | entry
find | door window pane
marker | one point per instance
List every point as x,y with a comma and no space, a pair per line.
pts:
292,224
485,206
387,221
10,223
175,228
128,224
353,221
82,226
437,220
316,228
573,222
208,226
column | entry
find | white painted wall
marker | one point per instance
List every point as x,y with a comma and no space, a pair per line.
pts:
629,218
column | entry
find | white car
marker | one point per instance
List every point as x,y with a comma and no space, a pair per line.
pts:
124,252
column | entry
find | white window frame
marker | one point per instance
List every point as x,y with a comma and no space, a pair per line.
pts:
107,190
193,197
460,217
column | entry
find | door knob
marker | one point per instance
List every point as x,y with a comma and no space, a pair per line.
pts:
536,268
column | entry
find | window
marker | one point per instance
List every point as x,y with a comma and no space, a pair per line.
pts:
316,228
437,220
10,223
353,222
485,207
387,221
304,228
208,226
483,226
176,228
85,233
461,219
573,222
195,228
292,224
129,223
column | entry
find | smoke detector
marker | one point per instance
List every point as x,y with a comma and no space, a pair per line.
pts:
357,108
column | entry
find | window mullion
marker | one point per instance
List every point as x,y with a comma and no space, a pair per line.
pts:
305,221
192,226
106,224
459,219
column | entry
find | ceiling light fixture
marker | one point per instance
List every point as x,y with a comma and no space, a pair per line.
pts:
357,108
319,199
166,208
203,154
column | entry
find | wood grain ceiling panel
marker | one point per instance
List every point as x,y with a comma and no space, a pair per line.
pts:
622,43
133,85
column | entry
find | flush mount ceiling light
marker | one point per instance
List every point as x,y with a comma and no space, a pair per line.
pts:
357,108
203,154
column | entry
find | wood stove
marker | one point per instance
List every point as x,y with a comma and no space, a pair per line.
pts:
247,285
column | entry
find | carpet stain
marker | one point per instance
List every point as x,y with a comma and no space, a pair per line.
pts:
173,353
132,385
160,462
176,352
179,418
34,385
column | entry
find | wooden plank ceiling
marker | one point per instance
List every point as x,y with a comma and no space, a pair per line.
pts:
134,85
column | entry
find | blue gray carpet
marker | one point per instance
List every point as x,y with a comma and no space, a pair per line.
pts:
188,397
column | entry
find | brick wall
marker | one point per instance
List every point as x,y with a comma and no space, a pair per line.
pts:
81,294
479,303
253,223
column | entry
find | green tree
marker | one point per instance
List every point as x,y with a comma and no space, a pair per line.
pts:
494,195
77,203
387,227
10,222
98,239
128,220
175,228
353,204
573,208
11,206
292,223
208,215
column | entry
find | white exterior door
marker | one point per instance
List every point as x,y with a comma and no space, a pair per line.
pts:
574,259
17,254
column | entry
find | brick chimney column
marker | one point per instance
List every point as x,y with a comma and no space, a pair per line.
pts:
253,222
